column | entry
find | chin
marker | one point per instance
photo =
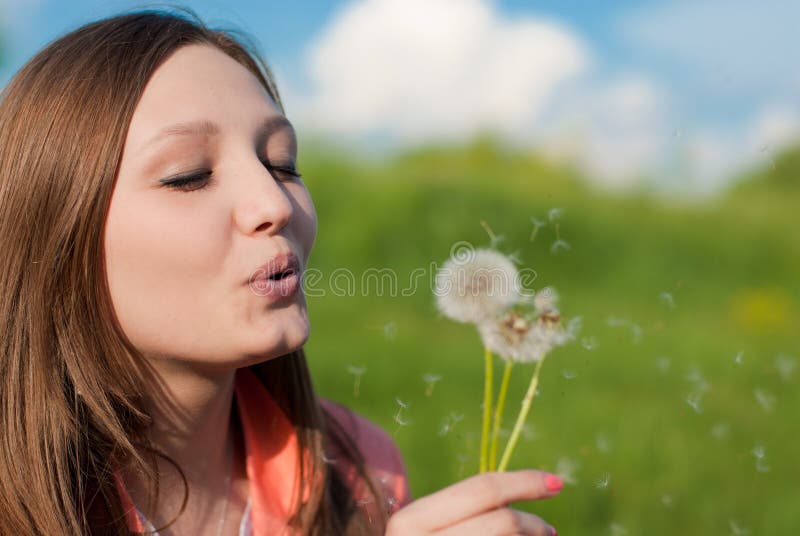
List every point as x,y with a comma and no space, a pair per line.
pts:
284,335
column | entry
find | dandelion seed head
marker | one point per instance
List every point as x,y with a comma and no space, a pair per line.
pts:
474,286
520,338
546,300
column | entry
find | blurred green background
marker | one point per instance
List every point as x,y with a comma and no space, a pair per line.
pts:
674,410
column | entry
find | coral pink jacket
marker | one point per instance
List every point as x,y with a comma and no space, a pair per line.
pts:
272,462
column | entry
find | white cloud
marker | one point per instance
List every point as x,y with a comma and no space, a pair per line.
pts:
414,70
411,71
615,131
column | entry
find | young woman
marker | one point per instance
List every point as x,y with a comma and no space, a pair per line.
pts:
154,230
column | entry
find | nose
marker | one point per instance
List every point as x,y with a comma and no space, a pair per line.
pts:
266,205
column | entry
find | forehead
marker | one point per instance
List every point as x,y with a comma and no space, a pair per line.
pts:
198,82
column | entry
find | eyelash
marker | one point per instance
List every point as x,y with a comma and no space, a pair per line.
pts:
184,184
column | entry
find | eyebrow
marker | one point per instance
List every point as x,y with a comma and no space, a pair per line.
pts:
209,128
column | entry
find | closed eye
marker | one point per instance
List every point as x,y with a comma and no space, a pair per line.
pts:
283,171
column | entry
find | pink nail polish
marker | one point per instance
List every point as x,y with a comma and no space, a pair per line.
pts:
553,483
553,531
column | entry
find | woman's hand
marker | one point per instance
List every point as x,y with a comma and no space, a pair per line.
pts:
478,505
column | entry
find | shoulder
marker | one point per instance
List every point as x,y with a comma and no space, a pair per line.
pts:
381,455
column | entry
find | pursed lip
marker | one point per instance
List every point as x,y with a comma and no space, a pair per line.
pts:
280,265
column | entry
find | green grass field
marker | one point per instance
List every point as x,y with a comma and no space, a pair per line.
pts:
661,429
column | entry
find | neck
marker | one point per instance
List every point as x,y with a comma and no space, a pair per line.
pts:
191,412
192,417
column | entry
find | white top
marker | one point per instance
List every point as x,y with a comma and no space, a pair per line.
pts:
245,525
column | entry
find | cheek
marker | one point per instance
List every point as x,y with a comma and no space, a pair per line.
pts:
160,263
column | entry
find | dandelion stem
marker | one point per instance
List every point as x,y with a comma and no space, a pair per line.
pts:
498,414
523,414
487,409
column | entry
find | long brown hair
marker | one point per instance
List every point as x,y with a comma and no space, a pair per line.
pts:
71,384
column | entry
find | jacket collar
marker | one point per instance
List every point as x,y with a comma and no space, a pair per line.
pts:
271,458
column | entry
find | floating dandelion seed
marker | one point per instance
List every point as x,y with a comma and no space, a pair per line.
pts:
462,460
390,330
760,454
739,358
430,381
765,399
720,430
574,326
528,432
636,333
494,239
785,365
666,500
617,529
696,377
559,245
449,423
568,374
401,421
402,403
667,299
589,343
476,285
515,257
616,321
357,372
694,400
537,224
555,213
663,363
602,443
603,482
566,468
737,530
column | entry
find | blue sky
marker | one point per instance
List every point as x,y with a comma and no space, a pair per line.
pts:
681,93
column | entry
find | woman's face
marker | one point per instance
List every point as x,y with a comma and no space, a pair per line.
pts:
183,262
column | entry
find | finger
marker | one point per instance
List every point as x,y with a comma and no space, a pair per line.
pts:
476,495
502,521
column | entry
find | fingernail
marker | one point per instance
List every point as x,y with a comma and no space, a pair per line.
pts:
553,483
553,531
